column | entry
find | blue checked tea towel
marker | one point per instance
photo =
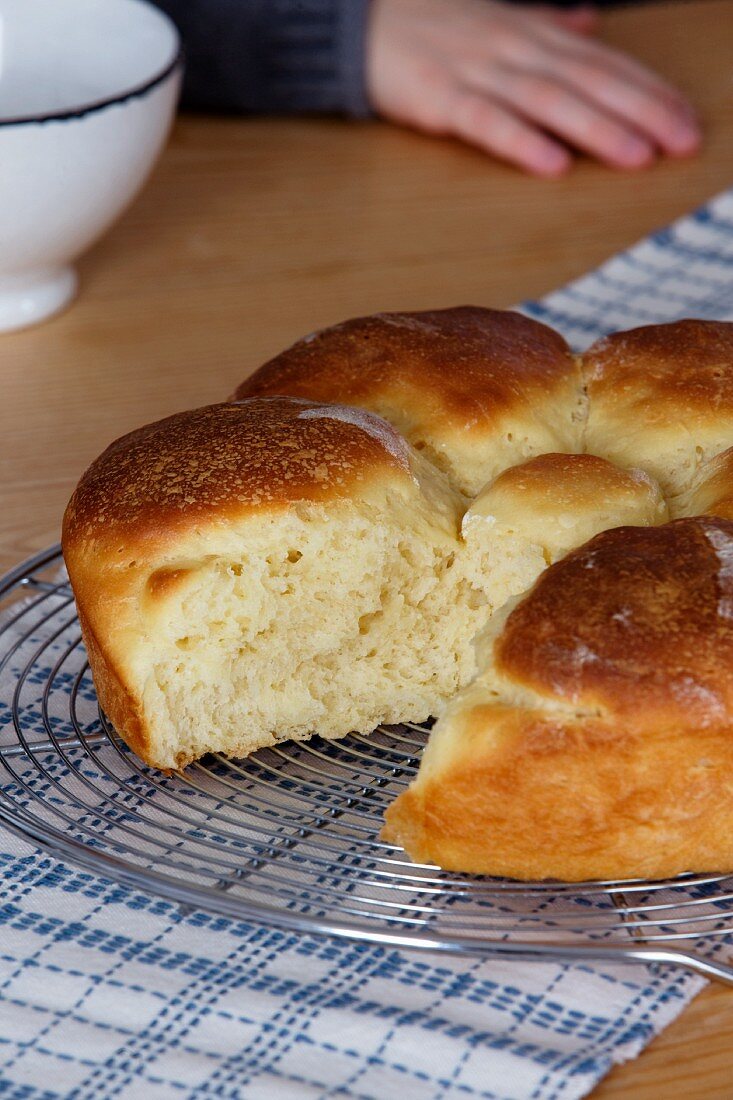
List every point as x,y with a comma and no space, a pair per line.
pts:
106,992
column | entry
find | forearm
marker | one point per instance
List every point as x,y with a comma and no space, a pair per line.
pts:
273,56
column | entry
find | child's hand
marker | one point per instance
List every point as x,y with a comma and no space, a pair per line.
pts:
521,83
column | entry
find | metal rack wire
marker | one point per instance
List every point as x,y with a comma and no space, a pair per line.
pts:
289,836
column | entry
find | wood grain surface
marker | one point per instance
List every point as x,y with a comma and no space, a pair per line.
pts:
254,232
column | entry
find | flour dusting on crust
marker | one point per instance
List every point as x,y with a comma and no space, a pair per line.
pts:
408,321
722,544
367,422
688,690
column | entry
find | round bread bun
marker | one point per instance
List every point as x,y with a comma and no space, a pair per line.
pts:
477,390
247,573
532,514
560,501
661,397
597,741
224,460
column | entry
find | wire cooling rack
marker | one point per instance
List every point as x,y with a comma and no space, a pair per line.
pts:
289,836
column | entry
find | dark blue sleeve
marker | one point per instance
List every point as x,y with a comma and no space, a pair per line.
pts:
273,56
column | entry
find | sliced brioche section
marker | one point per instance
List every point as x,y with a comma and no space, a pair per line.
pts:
597,742
477,390
285,631
252,572
661,397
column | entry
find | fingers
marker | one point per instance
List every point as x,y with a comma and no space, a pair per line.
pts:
568,115
585,93
522,84
627,89
496,129
670,124
623,65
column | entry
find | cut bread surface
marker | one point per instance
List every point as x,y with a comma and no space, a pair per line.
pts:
297,633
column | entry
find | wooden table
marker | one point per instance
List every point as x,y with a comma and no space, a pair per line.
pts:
252,233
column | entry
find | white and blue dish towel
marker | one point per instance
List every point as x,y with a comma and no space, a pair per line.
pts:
106,992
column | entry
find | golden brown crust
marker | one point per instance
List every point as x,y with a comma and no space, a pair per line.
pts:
573,483
712,492
685,366
661,397
532,795
468,363
638,621
477,389
580,479
121,705
555,502
223,460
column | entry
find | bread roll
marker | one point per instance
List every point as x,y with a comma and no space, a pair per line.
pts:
661,397
252,572
477,390
533,514
597,741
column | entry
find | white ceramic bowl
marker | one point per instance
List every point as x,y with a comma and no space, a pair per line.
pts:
87,93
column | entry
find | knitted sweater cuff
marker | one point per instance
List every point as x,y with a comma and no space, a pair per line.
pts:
274,56
313,56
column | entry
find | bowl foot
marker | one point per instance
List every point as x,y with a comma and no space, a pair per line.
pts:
30,298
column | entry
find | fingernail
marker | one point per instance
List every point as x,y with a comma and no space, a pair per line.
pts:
553,162
633,152
685,139
687,117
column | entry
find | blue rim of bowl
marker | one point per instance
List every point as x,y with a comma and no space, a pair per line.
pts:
100,104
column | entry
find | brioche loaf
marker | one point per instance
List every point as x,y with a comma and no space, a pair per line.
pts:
319,553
